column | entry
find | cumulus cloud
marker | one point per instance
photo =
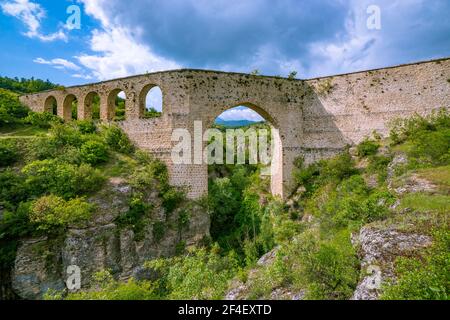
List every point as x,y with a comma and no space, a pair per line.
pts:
312,37
116,49
31,14
118,54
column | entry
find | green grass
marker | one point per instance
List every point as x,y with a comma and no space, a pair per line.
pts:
20,131
425,203
439,176
119,165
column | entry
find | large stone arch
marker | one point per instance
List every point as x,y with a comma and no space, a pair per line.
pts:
88,100
50,103
276,168
108,108
67,106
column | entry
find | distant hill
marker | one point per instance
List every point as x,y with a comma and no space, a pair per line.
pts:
235,123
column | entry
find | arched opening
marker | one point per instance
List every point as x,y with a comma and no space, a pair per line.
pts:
116,105
92,106
51,105
70,108
151,101
250,173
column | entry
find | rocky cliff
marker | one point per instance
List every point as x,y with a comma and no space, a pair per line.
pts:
103,243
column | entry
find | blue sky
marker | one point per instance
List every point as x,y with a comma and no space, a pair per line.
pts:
119,38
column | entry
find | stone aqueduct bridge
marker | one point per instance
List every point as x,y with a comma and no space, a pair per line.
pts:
316,118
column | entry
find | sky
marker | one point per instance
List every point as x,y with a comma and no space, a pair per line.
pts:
116,38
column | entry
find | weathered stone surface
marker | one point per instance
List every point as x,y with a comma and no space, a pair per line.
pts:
378,250
41,264
316,118
37,268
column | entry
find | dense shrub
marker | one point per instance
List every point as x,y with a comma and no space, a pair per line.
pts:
201,274
431,147
329,268
94,152
404,129
65,180
117,139
106,288
14,225
172,198
367,148
134,218
42,119
350,203
8,153
323,172
428,138
52,213
159,230
11,110
63,135
86,127
13,189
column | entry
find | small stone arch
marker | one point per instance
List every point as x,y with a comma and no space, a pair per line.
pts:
67,106
51,105
143,98
111,103
88,105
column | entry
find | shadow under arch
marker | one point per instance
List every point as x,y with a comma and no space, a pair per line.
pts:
92,100
51,105
276,165
69,100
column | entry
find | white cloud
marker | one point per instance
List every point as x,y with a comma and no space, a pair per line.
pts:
117,52
82,76
31,14
58,63
241,113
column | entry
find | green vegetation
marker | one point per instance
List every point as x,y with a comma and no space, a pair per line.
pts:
316,257
152,113
51,213
25,85
425,277
49,171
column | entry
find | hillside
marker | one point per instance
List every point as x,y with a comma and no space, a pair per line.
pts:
371,223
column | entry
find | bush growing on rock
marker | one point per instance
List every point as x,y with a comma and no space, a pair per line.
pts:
62,179
52,213
367,148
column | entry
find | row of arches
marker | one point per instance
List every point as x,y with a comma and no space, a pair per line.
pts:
113,108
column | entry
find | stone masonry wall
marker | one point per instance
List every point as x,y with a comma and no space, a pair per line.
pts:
316,118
